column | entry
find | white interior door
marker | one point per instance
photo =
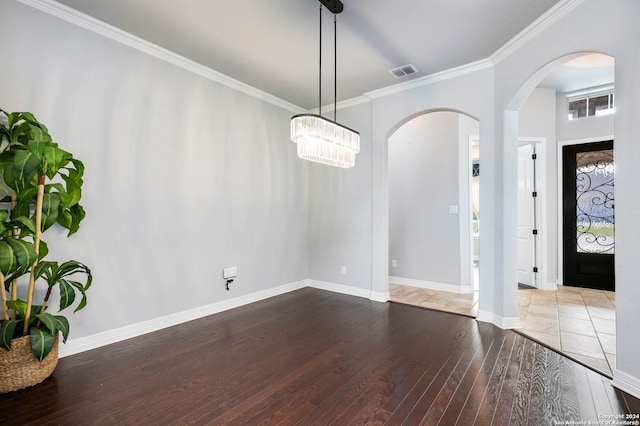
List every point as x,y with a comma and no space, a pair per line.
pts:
526,216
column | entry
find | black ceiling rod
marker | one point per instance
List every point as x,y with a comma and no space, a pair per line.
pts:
334,6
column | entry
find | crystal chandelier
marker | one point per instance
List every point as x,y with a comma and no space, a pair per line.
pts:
319,139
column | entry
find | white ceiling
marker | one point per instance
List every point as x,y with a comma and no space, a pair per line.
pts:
273,45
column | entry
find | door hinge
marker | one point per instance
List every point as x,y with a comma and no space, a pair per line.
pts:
534,194
535,269
534,156
535,232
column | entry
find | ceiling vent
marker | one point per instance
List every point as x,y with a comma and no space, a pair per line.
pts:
403,71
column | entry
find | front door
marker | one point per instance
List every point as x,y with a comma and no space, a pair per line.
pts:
588,215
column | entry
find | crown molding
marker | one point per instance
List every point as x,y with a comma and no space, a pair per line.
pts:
347,103
82,20
430,79
545,20
94,25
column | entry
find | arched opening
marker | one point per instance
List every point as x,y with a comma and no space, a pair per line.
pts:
566,104
433,217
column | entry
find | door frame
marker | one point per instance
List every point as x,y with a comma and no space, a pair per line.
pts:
466,216
544,278
561,144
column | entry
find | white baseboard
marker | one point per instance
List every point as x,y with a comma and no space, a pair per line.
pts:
380,296
339,288
548,286
430,285
504,323
627,383
74,346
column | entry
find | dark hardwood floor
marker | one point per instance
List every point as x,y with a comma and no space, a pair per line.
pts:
317,358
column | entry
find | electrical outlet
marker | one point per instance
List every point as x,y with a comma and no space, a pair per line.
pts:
343,270
394,263
230,272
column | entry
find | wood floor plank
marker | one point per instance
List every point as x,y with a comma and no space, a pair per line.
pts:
505,400
587,409
569,404
314,357
487,408
470,407
536,415
600,397
487,351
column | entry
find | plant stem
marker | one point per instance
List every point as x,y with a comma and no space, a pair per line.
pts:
5,310
36,246
46,299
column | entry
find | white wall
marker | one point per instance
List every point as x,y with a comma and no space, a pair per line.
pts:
184,176
424,238
581,128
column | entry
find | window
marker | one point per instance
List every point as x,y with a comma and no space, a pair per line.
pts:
593,104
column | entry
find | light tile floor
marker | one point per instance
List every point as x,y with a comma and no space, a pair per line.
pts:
464,304
576,321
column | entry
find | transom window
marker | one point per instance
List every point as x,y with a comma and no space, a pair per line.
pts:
592,104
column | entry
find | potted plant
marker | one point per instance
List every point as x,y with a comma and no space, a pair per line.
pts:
40,186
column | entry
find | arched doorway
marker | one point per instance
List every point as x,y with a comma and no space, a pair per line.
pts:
581,324
431,211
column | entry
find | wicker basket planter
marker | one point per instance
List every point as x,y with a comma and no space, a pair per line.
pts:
19,369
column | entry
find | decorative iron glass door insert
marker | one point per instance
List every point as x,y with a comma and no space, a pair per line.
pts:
588,215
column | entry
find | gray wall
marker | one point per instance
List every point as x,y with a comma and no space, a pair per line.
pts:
423,183
184,176
340,212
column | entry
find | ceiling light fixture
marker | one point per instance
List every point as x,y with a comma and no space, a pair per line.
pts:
319,139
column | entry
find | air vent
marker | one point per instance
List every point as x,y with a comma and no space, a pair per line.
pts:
403,71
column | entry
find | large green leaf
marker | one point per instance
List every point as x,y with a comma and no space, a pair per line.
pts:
25,168
8,261
79,170
7,332
25,224
24,252
63,326
67,294
44,250
72,192
49,321
46,269
27,195
82,289
20,306
3,217
38,146
41,343
50,205
71,218
55,159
